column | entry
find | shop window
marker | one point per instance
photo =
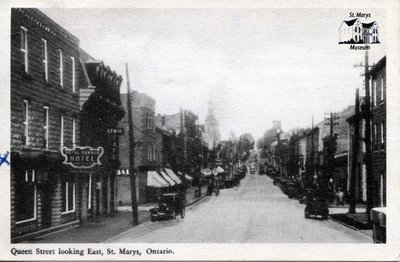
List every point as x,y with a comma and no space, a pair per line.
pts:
25,196
24,46
68,197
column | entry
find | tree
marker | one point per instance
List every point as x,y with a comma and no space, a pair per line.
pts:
246,143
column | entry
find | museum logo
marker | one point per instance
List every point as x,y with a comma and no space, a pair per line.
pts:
355,32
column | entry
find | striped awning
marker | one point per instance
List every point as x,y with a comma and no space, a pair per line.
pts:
172,175
155,180
167,178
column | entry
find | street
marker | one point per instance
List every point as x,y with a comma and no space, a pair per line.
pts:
255,212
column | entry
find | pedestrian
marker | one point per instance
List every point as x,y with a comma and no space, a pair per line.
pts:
340,196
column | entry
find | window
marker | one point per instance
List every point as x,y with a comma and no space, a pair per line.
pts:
375,135
46,126
68,197
154,152
382,133
73,73
25,196
62,130
24,46
61,67
73,131
381,89
374,92
25,123
45,60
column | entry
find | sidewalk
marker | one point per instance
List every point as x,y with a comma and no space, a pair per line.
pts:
358,220
109,226
93,232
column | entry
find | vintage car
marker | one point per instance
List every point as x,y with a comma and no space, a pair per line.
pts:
170,206
293,189
316,205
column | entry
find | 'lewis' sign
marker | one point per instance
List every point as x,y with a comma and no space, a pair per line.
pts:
82,157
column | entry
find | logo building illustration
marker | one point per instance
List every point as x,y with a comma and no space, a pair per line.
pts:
355,32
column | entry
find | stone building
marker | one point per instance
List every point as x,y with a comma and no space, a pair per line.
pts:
44,118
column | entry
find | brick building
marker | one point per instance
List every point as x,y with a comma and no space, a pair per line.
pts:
44,117
378,123
144,132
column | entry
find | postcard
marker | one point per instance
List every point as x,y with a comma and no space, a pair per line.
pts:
200,130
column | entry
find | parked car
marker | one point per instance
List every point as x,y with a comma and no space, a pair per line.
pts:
170,205
316,205
293,189
229,182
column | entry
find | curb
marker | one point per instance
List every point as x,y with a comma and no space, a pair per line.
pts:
349,226
195,201
344,224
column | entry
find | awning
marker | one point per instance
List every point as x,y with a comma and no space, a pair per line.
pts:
188,177
217,170
155,180
172,175
166,177
206,172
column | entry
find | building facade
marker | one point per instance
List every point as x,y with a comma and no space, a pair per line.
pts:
378,79
144,132
44,118
101,111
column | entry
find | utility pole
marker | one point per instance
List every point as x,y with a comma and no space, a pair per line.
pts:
367,115
331,145
312,149
135,219
355,149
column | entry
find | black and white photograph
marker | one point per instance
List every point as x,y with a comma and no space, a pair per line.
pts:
137,132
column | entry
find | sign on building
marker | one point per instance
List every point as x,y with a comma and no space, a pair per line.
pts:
82,157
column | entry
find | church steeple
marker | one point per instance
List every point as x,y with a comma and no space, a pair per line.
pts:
212,135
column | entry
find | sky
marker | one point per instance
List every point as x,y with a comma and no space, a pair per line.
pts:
257,65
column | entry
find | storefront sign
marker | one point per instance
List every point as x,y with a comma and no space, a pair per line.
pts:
82,157
115,131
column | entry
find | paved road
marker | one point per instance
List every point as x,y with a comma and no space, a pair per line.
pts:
255,212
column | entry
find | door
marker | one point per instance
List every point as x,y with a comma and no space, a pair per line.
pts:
47,192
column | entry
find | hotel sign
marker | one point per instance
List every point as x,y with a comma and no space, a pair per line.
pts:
82,157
